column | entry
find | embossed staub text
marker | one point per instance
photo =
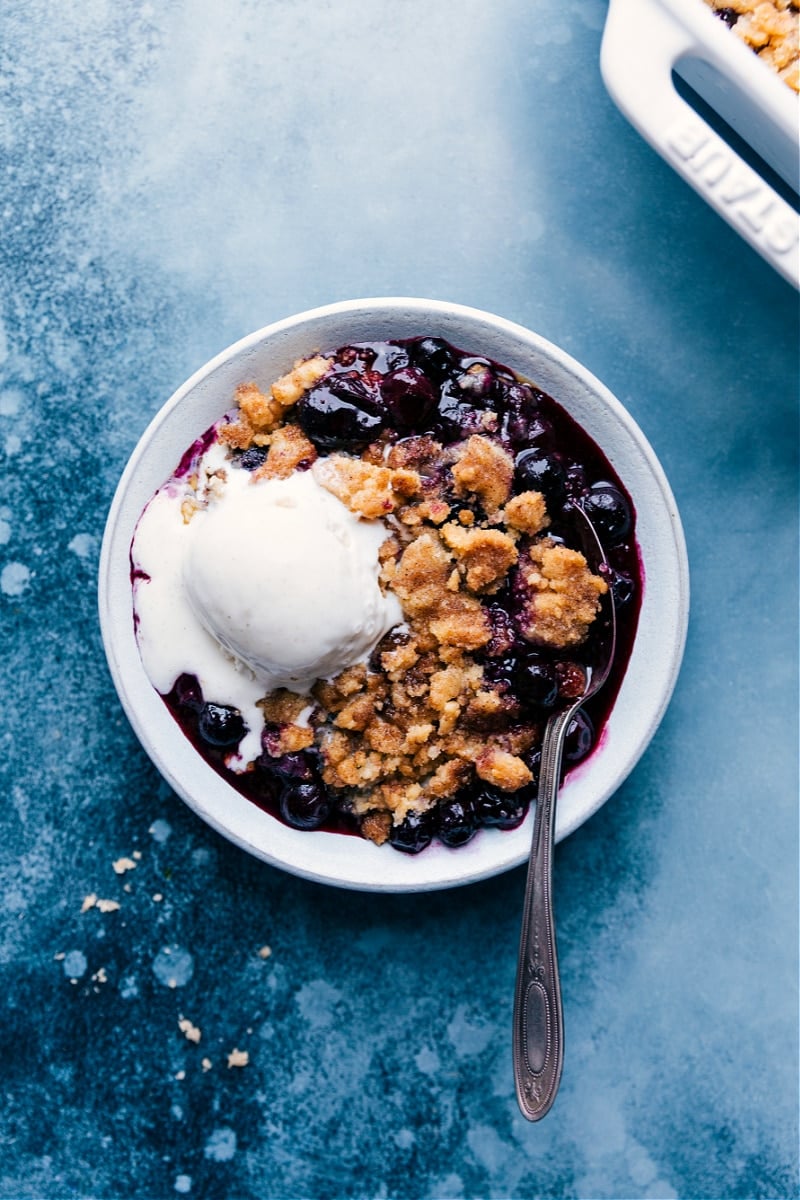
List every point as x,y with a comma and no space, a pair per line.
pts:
737,188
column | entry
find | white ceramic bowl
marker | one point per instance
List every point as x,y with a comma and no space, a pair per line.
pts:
263,356
644,43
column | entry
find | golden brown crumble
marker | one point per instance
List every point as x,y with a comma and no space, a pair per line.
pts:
772,29
527,513
484,469
289,449
563,594
483,555
261,413
422,719
282,710
366,489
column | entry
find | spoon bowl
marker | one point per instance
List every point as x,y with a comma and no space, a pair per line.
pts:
538,1041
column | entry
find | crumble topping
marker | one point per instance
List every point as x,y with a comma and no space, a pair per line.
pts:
121,865
261,413
771,28
289,450
484,582
366,489
485,470
421,719
563,594
189,1031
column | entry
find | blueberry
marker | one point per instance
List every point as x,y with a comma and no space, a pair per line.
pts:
456,418
220,725
414,833
188,693
362,356
432,355
540,472
295,766
252,458
502,626
579,739
575,476
536,681
623,588
391,357
304,805
571,678
609,512
500,672
533,761
522,422
340,413
728,16
501,810
408,397
455,822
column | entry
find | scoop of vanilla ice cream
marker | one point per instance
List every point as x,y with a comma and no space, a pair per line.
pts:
285,578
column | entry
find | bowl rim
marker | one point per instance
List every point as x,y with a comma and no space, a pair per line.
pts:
255,831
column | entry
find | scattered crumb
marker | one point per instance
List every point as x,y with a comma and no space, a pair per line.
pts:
121,865
265,952
238,1058
190,1031
100,975
157,896
89,902
180,1074
107,906
206,1064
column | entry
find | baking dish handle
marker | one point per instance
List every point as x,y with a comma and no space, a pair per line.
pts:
642,43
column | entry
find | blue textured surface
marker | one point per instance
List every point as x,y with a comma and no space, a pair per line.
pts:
177,175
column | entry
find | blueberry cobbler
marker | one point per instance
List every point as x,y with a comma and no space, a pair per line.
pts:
771,28
360,593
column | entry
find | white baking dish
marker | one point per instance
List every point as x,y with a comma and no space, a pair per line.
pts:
644,43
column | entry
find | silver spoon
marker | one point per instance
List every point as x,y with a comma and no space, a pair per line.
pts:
538,1044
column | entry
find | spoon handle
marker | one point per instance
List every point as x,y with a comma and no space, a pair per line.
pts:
538,1046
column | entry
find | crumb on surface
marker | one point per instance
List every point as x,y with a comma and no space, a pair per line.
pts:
290,387
121,865
238,1058
189,1031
